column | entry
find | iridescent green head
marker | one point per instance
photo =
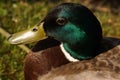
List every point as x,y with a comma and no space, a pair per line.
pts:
72,23
75,26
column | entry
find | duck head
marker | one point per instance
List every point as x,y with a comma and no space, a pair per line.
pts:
72,24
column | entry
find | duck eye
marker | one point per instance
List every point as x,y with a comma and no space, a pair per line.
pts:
61,21
34,29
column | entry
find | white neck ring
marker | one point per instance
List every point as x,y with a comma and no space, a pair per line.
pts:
67,55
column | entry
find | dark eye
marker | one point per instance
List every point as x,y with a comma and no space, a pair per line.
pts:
61,21
35,29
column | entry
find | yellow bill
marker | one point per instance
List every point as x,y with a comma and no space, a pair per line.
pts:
32,35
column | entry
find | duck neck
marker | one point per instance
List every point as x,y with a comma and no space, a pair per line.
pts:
81,52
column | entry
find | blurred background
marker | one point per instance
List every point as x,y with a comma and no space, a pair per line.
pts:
17,15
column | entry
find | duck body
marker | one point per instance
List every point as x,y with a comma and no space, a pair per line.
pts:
105,66
78,30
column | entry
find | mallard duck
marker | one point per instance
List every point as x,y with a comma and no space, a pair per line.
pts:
70,47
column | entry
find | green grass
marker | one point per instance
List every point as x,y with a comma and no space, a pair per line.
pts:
18,15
